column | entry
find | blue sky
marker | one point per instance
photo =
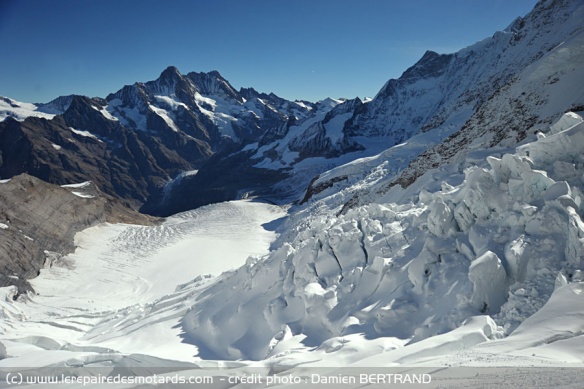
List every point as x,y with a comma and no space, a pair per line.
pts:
301,49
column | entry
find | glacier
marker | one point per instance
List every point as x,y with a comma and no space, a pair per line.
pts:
441,230
481,265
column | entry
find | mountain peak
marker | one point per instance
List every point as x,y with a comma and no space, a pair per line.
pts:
212,83
170,73
248,91
430,65
215,73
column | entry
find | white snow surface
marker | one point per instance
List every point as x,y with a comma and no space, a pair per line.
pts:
20,111
126,285
84,184
220,111
412,268
463,269
166,116
478,263
105,111
86,134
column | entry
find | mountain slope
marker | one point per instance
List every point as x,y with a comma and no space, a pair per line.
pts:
461,246
137,139
38,222
447,96
539,71
397,268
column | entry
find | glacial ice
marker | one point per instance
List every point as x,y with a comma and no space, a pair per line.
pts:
489,261
399,270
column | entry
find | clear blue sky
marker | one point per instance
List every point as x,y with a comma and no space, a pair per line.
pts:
301,49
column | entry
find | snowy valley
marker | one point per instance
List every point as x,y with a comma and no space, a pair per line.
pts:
436,229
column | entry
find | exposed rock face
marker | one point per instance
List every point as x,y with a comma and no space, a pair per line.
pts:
224,177
121,164
493,93
135,142
327,138
137,139
38,221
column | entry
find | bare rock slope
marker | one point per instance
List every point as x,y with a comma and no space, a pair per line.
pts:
38,222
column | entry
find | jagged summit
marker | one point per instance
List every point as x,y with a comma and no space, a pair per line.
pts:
170,72
58,105
431,65
215,73
213,83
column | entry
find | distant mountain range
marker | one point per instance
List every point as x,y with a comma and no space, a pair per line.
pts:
183,141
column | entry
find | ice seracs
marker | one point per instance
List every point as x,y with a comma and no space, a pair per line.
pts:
409,269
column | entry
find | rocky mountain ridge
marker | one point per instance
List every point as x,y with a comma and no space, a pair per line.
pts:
484,95
184,141
135,140
524,79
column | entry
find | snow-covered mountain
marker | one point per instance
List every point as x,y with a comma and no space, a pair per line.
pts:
446,89
458,241
525,79
479,268
273,147
486,93
154,130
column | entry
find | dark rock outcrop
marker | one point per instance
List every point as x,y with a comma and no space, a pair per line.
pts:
38,222
224,177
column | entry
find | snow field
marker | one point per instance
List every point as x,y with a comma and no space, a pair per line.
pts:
499,243
484,271
126,285
20,111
